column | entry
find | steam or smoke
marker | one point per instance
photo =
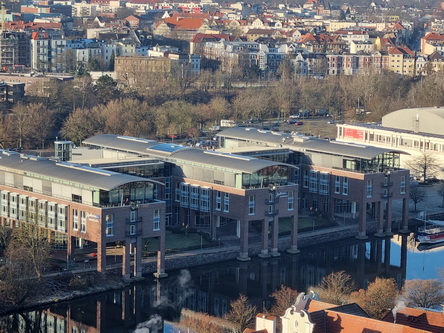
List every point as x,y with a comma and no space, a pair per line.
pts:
154,325
400,305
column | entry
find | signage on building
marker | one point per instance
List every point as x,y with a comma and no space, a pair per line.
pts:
353,133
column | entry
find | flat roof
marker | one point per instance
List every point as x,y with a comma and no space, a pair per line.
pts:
305,143
40,167
180,154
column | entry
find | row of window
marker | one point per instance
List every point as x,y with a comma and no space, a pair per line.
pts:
272,200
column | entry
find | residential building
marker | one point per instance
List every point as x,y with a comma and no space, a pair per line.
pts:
76,205
402,61
131,70
14,50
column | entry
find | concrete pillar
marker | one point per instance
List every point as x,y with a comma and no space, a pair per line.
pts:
387,248
380,205
294,232
405,215
379,256
404,255
362,226
361,262
71,248
126,259
264,239
388,228
274,238
161,257
137,247
243,255
101,256
213,228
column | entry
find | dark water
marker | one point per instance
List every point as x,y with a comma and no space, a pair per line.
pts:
151,305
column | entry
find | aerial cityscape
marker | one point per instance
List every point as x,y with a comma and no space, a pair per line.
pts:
207,166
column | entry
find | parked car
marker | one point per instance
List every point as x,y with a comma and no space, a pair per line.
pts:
299,123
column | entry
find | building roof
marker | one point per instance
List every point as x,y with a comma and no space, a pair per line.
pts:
421,319
428,120
180,154
303,144
74,174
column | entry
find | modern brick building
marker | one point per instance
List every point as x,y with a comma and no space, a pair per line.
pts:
77,205
340,180
213,191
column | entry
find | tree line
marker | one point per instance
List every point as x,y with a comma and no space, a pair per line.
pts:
167,104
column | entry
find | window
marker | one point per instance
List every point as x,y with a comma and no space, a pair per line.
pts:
369,188
133,216
306,178
218,200
177,192
290,199
402,187
83,221
204,199
337,184
296,176
156,219
226,202
109,225
313,188
75,219
132,229
194,197
76,198
184,195
344,185
323,183
251,205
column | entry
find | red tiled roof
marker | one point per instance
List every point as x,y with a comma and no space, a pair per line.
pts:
39,35
401,50
433,36
426,321
398,26
199,38
185,23
336,322
314,305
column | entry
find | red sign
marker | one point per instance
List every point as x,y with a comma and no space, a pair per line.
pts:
353,133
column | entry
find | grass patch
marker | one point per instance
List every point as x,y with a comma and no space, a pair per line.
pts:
176,241
305,223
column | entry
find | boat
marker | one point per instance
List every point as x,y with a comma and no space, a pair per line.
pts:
431,233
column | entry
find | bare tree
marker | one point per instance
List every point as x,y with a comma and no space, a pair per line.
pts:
423,293
335,288
378,299
425,165
416,195
241,313
284,297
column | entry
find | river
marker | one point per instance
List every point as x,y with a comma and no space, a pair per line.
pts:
210,289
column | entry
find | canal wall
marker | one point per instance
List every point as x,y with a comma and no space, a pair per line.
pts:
222,253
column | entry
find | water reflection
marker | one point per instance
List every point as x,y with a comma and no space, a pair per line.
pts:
211,288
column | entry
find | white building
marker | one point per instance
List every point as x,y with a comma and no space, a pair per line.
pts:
414,131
